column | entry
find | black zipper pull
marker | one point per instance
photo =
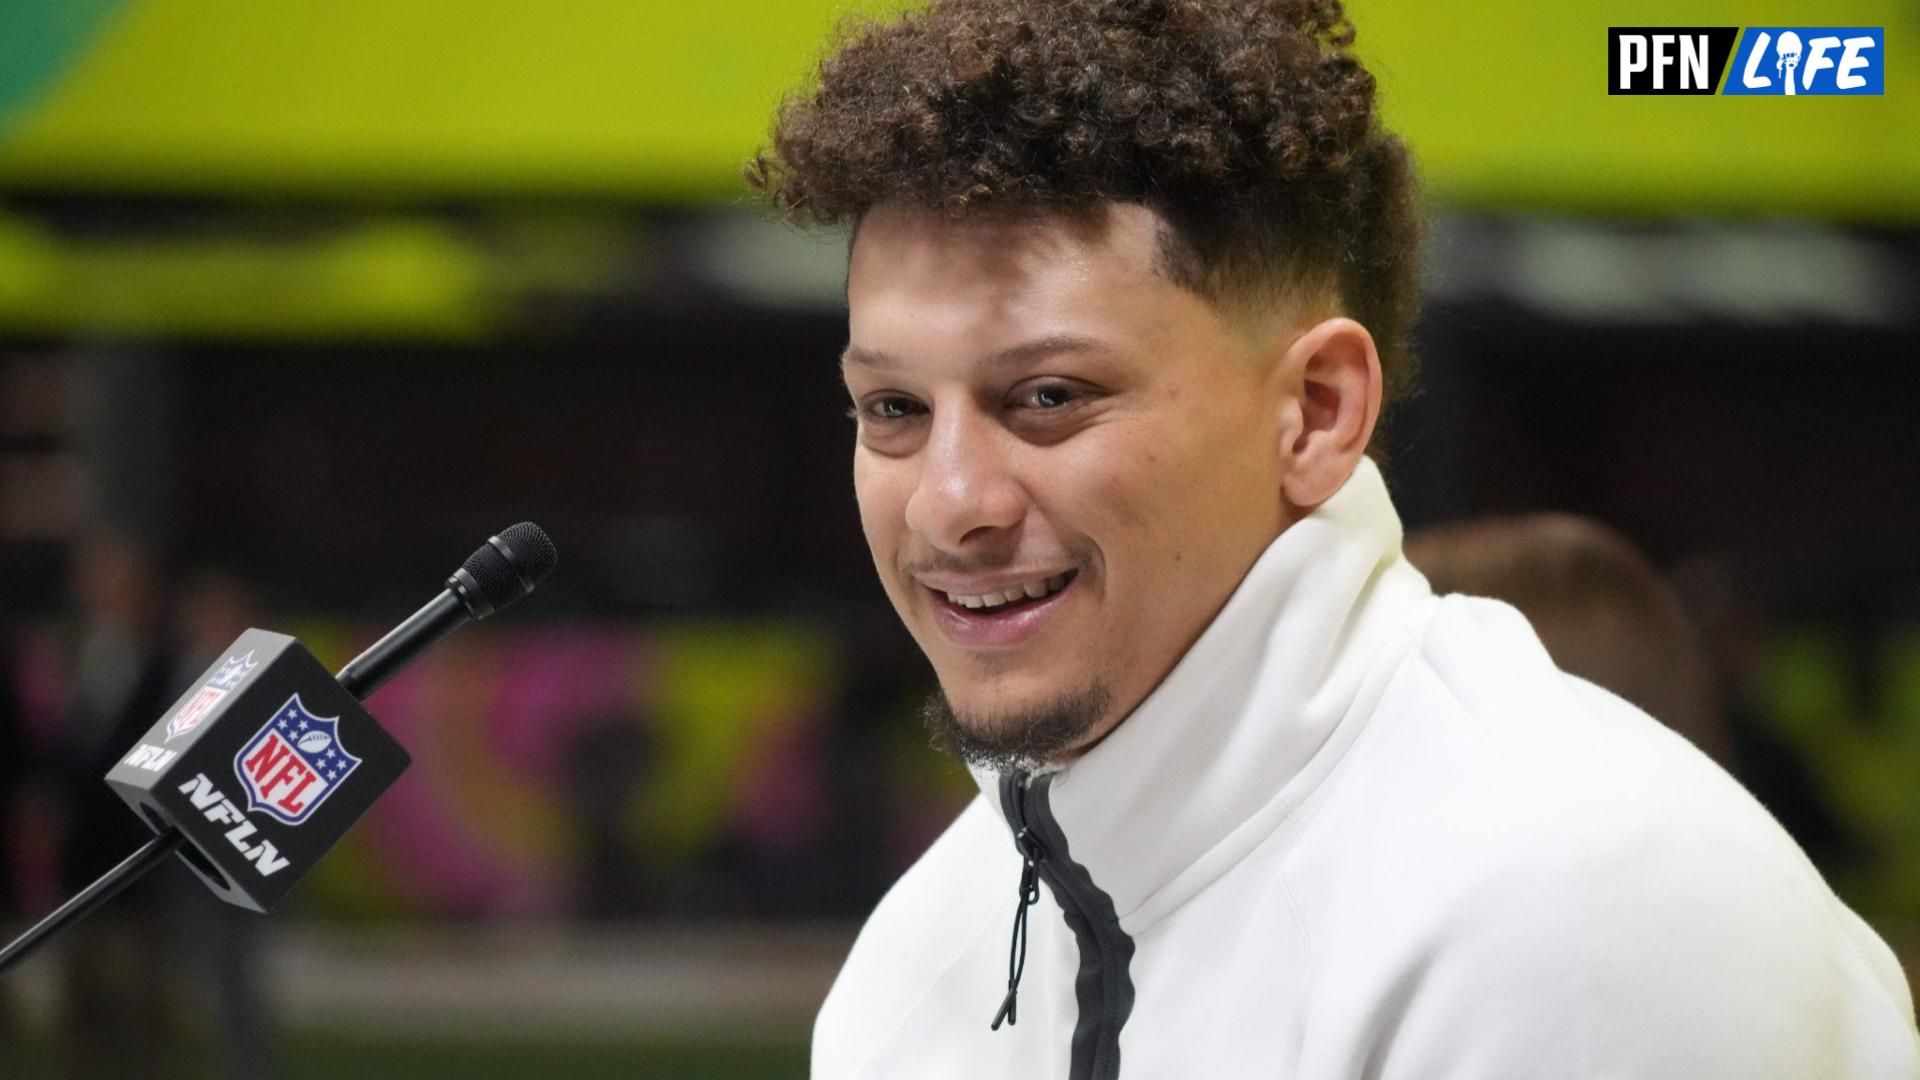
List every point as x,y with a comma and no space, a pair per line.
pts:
1033,852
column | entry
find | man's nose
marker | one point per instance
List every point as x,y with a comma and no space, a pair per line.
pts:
965,484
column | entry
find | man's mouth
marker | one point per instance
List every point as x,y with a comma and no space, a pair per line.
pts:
1014,596
1002,617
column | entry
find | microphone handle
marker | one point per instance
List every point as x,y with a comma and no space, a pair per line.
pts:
441,616
106,887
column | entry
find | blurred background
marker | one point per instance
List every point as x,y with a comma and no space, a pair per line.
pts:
299,301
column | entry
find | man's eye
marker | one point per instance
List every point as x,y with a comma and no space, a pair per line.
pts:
890,407
1050,396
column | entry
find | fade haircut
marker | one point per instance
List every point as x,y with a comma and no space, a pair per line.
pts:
1248,125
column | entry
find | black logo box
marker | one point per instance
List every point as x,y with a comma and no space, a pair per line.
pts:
251,858
1720,41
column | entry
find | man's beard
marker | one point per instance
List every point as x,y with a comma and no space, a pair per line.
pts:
1019,741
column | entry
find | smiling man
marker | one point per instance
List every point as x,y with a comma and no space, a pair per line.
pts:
1067,461
1131,281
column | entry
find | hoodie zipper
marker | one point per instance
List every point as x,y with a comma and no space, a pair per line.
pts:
1103,987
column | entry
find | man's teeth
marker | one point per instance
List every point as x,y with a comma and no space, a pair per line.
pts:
1031,590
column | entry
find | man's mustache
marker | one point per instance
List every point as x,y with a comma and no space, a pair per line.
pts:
986,562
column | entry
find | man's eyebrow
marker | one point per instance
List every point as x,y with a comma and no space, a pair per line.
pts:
1017,354
872,358
1048,346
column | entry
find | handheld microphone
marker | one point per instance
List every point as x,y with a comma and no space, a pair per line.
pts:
503,570
257,772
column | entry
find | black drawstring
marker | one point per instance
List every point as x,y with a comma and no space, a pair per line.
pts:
1017,949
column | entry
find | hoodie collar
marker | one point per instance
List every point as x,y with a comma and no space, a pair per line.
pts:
1241,729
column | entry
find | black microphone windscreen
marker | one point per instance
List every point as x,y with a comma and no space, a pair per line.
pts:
509,565
532,551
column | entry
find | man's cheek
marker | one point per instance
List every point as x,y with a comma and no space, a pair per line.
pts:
883,522
881,516
1099,476
1119,499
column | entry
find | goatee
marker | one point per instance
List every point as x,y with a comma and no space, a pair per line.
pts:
1019,741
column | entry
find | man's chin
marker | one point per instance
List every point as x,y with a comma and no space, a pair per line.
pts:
1021,739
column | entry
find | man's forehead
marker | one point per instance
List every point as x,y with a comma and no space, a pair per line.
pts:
1007,287
998,294
1006,244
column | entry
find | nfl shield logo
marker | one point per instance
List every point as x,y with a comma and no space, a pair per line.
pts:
195,711
231,674
294,763
234,671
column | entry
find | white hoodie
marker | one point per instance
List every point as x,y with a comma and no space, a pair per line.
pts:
1361,831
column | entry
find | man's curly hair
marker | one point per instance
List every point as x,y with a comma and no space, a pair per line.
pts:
1247,124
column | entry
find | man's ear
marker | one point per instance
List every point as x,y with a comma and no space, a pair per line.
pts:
1332,375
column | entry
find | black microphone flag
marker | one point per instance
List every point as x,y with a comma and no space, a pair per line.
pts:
262,768
269,760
